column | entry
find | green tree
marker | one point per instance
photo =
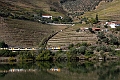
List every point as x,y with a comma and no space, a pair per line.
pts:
96,19
101,35
90,29
67,19
44,55
3,45
82,50
114,41
70,46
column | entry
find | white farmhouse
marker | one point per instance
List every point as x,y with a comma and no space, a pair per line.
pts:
112,25
47,16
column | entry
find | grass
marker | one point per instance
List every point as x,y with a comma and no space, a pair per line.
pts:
106,11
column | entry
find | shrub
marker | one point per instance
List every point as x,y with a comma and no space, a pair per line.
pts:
101,35
3,45
70,46
44,55
82,50
77,30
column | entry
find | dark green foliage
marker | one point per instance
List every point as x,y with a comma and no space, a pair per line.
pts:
101,35
92,21
21,13
73,50
62,1
3,45
67,19
89,53
7,53
52,9
106,40
90,29
77,30
117,28
114,41
96,19
26,55
70,46
104,48
84,44
44,55
106,26
85,19
78,45
82,50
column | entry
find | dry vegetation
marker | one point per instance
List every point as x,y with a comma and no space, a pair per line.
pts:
24,33
17,26
70,36
106,11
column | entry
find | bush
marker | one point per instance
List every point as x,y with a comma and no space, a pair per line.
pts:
101,35
89,53
82,50
90,29
114,41
44,55
106,26
3,45
77,30
70,46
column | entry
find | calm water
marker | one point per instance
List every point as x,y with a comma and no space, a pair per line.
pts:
82,70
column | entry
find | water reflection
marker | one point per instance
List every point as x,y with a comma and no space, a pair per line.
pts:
82,70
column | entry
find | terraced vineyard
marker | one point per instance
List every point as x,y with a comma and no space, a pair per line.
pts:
106,11
20,33
69,36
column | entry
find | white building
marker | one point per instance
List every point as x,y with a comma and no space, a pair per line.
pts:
112,25
47,16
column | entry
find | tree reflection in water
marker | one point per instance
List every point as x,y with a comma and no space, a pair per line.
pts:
82,70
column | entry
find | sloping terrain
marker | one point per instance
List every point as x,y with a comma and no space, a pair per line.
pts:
20,33
78,7
17,26
106,11
30,7
70,36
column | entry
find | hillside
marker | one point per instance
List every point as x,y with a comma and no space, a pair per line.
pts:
20,33
78,7
71,36
30,7
18,25
106,11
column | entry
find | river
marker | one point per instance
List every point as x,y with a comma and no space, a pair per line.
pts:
80,70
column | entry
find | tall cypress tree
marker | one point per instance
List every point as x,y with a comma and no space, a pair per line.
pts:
96,18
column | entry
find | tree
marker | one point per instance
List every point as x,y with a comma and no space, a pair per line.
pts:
67,19
101,35
82,50
96,19
106,40
114,41
44,55
70,46
3,45
90,29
